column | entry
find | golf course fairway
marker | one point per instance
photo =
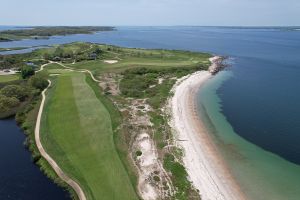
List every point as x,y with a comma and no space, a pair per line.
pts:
76,131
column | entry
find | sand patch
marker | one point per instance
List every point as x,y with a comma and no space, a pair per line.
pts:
8,72
111,61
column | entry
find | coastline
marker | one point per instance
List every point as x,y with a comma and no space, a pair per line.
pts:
205,166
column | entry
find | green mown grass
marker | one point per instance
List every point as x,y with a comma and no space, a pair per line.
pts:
134,58
8,78
77,132
119,135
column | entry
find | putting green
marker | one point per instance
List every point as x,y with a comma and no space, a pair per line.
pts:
76,131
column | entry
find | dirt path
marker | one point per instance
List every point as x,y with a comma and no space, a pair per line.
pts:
42,67
79,70
45,155
40,147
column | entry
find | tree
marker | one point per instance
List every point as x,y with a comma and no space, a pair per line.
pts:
7,102
15,91
27,71
98,51
58,52
46,56
38,82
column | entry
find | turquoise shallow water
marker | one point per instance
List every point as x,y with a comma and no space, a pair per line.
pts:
261,174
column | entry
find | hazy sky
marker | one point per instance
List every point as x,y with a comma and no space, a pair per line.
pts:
150,12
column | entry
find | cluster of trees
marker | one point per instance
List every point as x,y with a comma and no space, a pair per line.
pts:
56,30
61,54
27,71
38,81
11,61
12,96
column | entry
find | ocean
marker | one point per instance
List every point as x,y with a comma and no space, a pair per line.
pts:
252,108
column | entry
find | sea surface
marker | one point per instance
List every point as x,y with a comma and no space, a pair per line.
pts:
252,108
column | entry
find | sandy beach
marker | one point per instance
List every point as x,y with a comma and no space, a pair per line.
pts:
205,166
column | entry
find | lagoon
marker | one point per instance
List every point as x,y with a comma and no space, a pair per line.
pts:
20,178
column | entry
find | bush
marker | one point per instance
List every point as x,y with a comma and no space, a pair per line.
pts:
6,103
179,176
136,81
20,118
16,91
38,82
138,153
156,178
27,71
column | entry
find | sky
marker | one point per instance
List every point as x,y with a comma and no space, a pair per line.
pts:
151,12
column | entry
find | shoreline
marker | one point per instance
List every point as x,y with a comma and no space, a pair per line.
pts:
205,166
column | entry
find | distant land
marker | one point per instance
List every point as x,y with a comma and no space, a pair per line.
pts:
42,32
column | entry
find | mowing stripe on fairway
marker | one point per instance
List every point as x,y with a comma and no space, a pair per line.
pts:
77,133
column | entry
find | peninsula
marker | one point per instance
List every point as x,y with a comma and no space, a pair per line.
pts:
44,32
103,123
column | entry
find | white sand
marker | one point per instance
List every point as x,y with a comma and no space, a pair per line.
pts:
206,168
148,163
11,72
111,61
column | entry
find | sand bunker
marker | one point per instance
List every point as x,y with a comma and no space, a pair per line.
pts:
111,61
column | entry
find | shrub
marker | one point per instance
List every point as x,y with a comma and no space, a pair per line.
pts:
27,71
138,153
38,82
179,176
156,178
16,91
136,81
7,102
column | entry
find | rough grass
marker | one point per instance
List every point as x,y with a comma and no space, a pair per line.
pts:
8,78
134,58
77,132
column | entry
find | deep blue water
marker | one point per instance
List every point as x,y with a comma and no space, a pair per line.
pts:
261,100
20,178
